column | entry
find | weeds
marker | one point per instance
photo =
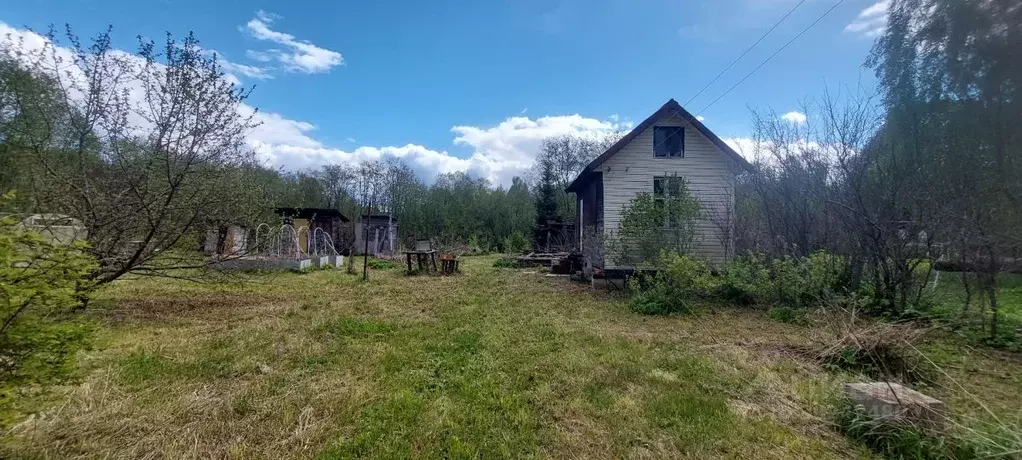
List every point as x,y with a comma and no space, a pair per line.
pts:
382,264
898,438
506,262
788,315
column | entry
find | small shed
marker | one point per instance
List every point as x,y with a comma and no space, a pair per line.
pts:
381,231
330,221
226,241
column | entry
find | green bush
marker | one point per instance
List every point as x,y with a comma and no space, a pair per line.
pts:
506,262
788,315
789,282
657,301
790,285
745,281
516,243
675,288
652,224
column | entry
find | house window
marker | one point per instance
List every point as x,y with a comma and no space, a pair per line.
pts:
665,188
668,141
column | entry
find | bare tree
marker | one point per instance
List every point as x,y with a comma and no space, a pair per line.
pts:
367,188
144,149
567,155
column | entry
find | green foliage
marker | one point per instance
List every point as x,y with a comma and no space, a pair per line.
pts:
675,288
382,264
796,283
516,243
943,64
546,201
39,334
652,225
140,198
745,280
506,262
788,315
805,282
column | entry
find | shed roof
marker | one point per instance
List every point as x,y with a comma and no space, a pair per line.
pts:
670,108
311,213
379,217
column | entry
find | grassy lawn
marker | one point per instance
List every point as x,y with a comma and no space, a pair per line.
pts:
949,297
492,363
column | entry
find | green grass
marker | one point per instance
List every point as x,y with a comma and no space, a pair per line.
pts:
493,364
948,300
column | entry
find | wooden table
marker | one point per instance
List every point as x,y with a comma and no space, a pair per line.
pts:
423,258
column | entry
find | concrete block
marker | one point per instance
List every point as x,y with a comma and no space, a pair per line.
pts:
888,400
320,262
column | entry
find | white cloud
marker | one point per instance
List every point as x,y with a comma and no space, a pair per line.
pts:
700,118
258,56
234,68
301,55
496,152
509,148
746,147
794,117
872,21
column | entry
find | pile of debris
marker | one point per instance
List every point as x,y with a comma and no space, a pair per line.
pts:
561,263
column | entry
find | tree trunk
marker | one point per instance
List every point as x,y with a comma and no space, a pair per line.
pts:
968,300
992,292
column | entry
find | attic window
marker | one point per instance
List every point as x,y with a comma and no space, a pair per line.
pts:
668,141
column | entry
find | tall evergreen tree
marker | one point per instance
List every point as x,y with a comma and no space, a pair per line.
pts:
546,200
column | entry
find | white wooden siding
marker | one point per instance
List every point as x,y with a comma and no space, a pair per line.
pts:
709,172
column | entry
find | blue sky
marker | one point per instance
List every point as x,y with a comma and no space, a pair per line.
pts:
474,85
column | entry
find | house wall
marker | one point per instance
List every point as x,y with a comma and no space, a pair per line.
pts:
709,172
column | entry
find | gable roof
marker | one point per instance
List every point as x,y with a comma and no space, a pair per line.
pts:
672,107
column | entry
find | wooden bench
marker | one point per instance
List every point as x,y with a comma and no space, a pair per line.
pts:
448,265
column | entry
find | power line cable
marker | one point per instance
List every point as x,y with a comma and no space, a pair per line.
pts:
761,64
739,58
765,61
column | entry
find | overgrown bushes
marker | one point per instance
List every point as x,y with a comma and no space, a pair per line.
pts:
788,282
793,284
674,288
516,243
